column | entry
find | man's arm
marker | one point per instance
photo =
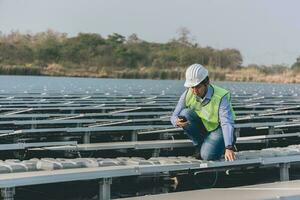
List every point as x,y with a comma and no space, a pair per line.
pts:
227,125
179,107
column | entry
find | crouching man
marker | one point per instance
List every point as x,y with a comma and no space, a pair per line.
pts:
205,113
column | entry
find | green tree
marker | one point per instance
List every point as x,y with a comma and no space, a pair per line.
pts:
82,48
133,39
231,58
184,36
296,65
116,39
49,51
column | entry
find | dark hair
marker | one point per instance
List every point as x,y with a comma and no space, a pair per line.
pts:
205,81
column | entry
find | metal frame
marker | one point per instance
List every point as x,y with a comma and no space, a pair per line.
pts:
157,144
18,146
9,181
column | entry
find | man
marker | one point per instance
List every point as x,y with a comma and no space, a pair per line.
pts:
205,113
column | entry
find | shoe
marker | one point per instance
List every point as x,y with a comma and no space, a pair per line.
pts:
197,154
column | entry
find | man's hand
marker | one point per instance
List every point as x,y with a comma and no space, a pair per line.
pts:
229,155
181,123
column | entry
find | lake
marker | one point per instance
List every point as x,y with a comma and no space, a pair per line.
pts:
71,85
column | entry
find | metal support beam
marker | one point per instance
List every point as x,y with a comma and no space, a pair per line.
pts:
104,188
271,130
156,153
8,193
237,132
87,138
33,125
134,136
284,171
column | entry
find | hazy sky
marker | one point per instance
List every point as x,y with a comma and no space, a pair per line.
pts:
265,31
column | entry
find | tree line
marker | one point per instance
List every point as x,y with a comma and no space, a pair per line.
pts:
91,49
31,53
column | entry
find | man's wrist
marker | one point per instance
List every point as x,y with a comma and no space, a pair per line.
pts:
230,147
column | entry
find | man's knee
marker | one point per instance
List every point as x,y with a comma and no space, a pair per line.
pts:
188,113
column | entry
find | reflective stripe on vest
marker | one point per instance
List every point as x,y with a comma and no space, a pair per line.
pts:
209,113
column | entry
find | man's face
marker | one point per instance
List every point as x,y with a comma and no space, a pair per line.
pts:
199,90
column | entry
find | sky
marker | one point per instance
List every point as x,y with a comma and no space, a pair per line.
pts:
264,31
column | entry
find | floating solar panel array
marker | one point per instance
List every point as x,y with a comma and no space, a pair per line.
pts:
116,132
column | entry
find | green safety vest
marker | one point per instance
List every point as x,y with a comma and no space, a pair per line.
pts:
209,112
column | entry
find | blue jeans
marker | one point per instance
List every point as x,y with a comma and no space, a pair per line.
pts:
211,145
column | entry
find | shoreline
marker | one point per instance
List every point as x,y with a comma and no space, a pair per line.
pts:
178,73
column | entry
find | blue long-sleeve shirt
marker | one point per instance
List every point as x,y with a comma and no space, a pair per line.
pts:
225,114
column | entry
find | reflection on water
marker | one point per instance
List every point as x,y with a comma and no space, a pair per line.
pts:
68,85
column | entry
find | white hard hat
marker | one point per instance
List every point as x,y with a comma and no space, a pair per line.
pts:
194,75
